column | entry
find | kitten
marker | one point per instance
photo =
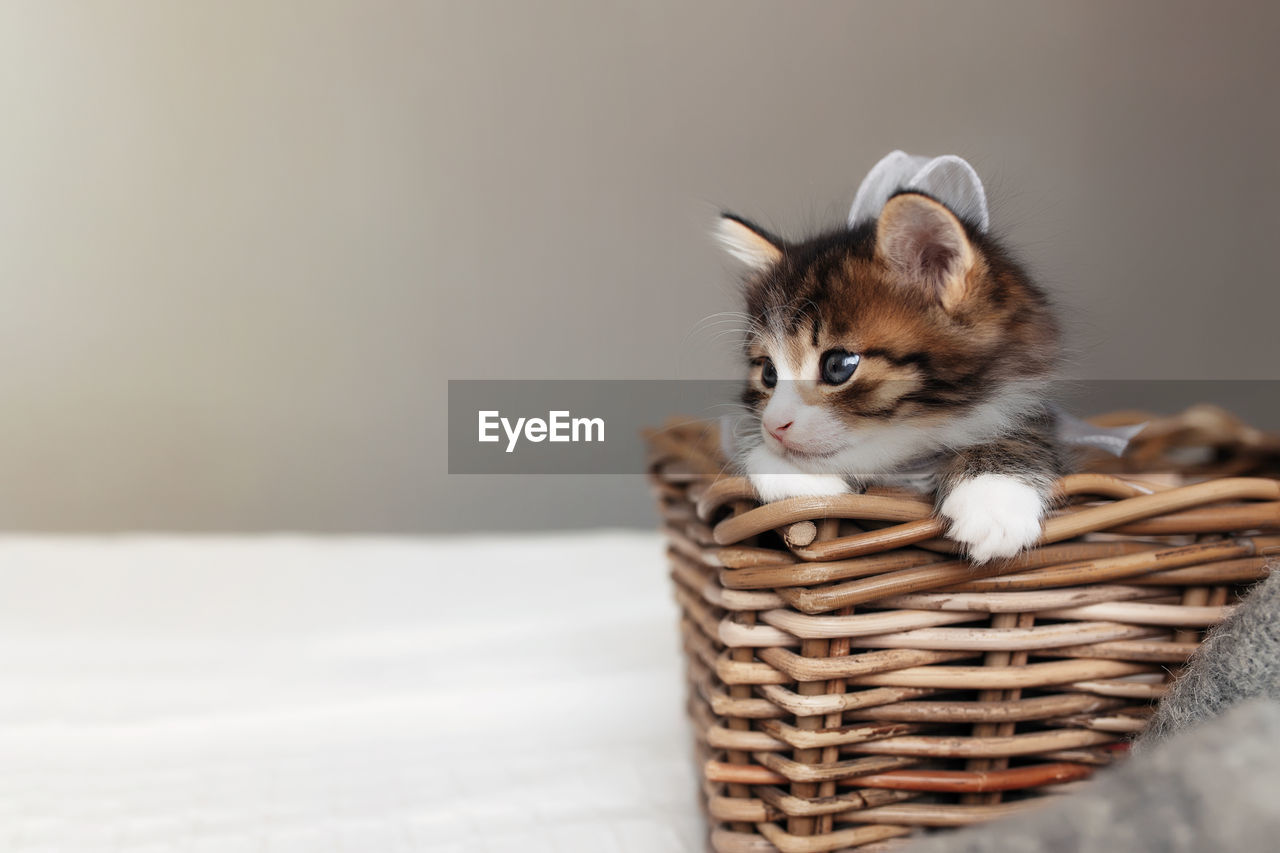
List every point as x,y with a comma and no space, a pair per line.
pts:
908,350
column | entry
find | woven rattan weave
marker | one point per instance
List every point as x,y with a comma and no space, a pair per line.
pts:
852,681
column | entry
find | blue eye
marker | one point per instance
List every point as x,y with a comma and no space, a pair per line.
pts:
768,374
838,365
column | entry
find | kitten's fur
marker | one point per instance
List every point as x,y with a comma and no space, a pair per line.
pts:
955,345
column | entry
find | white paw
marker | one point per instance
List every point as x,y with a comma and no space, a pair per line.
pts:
775,478
776,487
993,515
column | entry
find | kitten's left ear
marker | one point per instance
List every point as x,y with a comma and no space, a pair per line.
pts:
924,243
748,242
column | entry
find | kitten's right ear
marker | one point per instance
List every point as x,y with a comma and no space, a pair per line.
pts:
748,242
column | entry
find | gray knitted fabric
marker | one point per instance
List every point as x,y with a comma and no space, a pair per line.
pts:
1205,775
1239,659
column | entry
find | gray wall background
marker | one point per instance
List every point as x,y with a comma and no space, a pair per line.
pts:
245,244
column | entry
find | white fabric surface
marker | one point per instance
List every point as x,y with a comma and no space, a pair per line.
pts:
517,693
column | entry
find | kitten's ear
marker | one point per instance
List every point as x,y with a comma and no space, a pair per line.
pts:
747,242
925,243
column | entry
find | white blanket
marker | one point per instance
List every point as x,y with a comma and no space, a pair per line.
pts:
517,693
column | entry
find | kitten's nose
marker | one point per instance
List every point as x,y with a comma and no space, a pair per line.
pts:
780,429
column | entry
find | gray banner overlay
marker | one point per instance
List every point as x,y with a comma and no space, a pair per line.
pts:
594,426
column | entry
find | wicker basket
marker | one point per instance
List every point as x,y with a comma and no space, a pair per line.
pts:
851,681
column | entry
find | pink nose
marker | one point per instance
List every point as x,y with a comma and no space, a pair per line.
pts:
778,431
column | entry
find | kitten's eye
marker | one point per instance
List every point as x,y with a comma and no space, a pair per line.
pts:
838,366
768,374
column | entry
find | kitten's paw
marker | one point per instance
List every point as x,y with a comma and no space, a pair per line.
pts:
776,487
993,516
775,478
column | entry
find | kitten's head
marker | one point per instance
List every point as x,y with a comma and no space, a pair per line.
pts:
898,337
